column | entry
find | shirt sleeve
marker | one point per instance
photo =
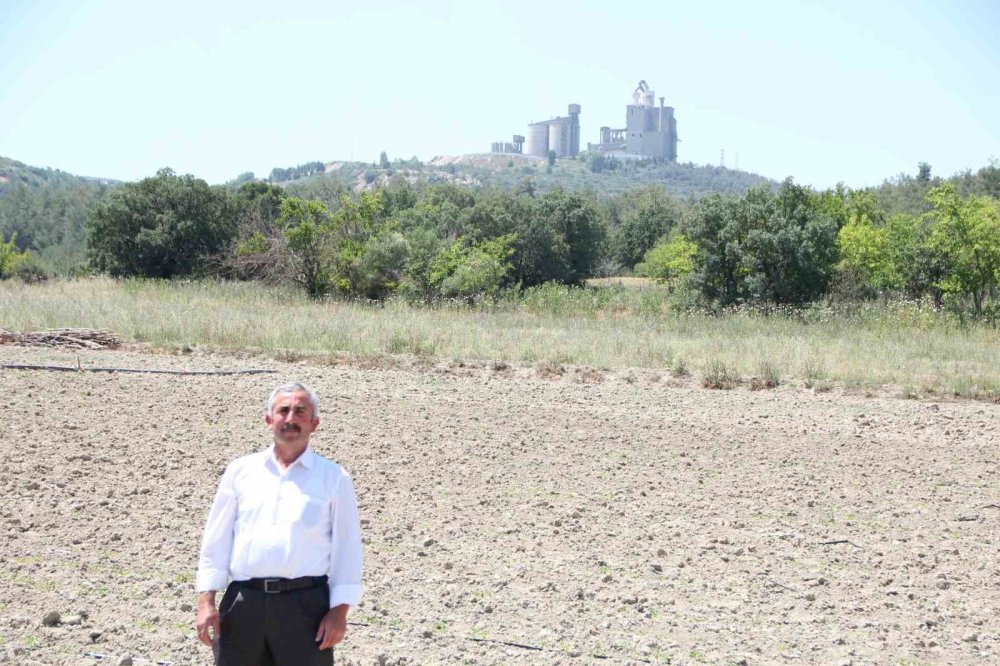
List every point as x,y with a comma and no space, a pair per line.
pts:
345,546
217,542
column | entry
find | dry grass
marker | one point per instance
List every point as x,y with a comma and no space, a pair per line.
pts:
607,328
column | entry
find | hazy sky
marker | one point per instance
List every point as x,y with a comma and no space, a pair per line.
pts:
824,92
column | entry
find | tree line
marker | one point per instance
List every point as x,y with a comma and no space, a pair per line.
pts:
919,236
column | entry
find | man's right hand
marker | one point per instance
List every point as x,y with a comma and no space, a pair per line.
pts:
207,620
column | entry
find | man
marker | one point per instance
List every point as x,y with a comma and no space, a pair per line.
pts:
284,527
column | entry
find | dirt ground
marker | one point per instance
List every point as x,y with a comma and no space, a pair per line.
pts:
514,518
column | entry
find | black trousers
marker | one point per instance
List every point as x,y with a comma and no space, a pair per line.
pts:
261,629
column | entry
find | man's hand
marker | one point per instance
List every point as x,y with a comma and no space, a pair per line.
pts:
207,618
332,627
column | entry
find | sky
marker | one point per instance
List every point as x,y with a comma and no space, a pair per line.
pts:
824,92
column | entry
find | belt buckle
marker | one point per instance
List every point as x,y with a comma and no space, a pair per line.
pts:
267,585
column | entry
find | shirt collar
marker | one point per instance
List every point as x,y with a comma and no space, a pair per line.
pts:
307,459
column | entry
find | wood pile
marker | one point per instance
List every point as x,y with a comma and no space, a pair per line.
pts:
69,338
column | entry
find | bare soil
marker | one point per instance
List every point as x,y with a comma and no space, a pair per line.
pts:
509,517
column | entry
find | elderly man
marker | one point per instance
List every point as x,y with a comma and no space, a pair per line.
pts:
284,527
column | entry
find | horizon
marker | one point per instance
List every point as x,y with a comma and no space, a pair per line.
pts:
111,90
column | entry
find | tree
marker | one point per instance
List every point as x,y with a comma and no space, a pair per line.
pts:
669,261
378,270
864,254
165,226
966,235
717,275
470,270
789,255
988,180
649,218
552,158
383,160
762,247
915,266
308,233
579,232
923,172
11,259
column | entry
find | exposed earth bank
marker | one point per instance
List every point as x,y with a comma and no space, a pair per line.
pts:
512,518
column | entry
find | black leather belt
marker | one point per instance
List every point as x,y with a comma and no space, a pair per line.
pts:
278,585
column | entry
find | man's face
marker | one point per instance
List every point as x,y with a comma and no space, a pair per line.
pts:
292,420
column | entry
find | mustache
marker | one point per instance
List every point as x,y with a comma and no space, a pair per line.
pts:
290,426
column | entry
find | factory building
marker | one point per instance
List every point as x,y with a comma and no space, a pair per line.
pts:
515,147
561,135
650,130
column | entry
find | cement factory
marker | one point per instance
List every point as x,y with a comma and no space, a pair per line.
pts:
650,132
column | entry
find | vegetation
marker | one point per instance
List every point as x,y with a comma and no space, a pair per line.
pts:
279,175
12,261
897,343
163,227
44,210
768,246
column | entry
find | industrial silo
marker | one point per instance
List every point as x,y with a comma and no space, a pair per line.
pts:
557,137
538,140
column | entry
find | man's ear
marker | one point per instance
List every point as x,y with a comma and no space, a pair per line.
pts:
315,422
267,419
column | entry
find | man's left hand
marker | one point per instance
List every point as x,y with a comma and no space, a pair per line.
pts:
332,627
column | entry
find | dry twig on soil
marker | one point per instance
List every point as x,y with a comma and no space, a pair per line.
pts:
72,338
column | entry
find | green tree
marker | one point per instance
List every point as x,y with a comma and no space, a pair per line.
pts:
777,248
669,261
472,270
712,227
864,254
11,259
378,270
423,247
915,266
967,236
988,180
165,226
578,230
789,252
309,243
923,172
648,219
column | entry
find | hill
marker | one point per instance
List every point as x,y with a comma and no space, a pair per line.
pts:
600,175
14,173
45,209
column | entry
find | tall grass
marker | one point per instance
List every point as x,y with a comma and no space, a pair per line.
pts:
614,327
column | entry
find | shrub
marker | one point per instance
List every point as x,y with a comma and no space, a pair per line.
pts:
719,375
11,259
768,376
166,226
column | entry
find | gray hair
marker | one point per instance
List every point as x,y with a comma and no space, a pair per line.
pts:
293,387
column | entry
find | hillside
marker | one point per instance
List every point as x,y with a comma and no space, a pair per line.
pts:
522,171
13,173
45,209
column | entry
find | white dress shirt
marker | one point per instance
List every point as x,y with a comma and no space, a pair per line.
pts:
267,522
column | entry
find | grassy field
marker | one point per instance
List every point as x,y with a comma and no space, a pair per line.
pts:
613,327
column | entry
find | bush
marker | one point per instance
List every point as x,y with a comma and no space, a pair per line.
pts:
719,375
12,261
768,376
165,226
669,261
472,270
